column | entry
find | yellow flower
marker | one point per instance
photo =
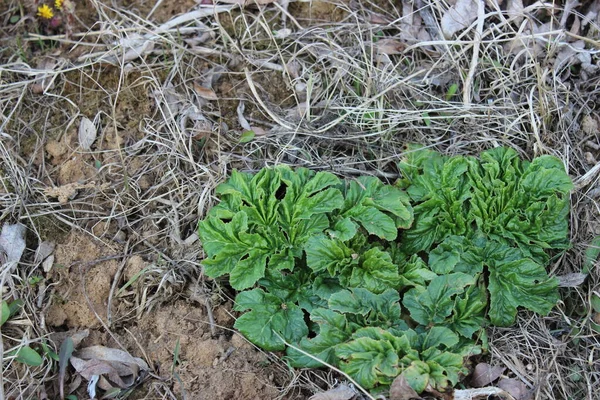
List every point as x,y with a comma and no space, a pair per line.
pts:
45,12
58,4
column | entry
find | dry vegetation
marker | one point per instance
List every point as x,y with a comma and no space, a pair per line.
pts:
111,208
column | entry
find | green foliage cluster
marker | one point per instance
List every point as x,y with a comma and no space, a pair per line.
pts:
382,280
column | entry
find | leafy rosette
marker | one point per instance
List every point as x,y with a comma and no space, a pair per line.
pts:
263,221
515,202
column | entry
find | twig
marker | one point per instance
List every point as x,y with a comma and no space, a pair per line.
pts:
475,57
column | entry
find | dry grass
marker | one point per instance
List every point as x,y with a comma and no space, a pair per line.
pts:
328,98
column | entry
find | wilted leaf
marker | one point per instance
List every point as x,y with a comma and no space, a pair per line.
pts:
91,388
485,374
241,119
247,2
87,133
401,390
571,280
66,349
110,354
43,251
342,392
514,9
205,92
458,17
89,368
516,388
12,242
390,46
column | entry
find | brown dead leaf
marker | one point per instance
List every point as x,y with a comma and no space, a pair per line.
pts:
118,366
89,368
571,280
342,392
458,17
205,92
485,374
390,46
516,388
247,2
401,390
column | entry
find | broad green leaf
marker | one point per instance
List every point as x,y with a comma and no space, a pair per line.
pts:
269,317
247,136
381,310
417,375
469,312
439,336
432,305
327,254
380,209
344,229
5,313
231,250
368,361
457,254
28,356
414,272
375,272
333,330
522,283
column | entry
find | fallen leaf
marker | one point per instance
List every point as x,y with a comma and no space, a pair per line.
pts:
514,9
247,2
44,250
485,374
205,92
241,119
109,354
129,48
516,388
89,368
401,390
12,242
86,134
48,263
390,46
571,280
458,17
342,392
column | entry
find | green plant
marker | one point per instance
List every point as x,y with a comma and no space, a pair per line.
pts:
382,280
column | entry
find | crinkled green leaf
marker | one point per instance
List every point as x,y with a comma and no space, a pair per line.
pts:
412,271
268,317
469,312
521,203
417,375
333,330
375,272
328,254
344,229
368,361
231,250
522,283
457,254
375,309
433,304
380,209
